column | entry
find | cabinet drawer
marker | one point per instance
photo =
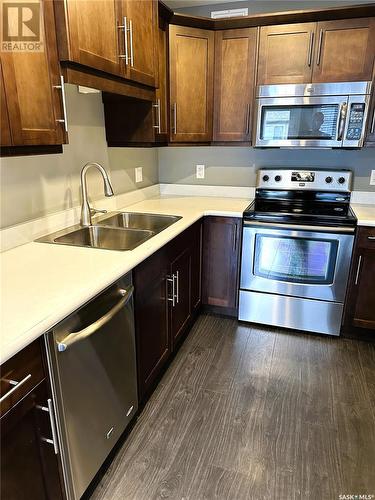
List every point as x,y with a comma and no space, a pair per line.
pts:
366,237
19,375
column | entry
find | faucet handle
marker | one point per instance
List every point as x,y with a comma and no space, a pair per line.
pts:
94,211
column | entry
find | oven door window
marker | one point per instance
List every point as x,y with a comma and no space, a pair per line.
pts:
295,260
307,121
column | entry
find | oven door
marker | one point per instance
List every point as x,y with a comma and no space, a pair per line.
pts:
296,261
301,121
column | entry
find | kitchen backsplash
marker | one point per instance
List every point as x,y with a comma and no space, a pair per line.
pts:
35,186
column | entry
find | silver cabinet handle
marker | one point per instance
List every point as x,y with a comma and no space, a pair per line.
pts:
358,270
310,52
65,119
16,385
171,279
234,238
373,122
73,337
247,118
174,125
371,238
319,47
125,28
341,121
158,123
49,409
177,276
131,43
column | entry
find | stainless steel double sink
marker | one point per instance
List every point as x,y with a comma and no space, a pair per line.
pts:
113,231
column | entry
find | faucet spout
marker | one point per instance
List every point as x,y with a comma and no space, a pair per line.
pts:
108,191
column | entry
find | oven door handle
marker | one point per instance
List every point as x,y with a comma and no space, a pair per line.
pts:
299,227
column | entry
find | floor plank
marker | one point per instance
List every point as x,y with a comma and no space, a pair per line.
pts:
246,412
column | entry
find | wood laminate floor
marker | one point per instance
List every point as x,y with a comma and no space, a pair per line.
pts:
247,412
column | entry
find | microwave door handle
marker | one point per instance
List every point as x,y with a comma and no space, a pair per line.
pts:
73,337
341,120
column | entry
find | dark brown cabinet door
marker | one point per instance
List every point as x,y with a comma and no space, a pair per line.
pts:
142,19
221,249
151,319
5,136
161,94
30,82
235,58
180,307
191,52
89,34
345,50
196,266
360,310
286,53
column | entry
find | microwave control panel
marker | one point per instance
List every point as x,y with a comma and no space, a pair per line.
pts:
355,124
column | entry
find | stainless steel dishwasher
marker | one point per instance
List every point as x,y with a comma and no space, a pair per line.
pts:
92,364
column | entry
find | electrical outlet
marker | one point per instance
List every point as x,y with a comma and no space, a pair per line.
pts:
138,174
372,178
200,172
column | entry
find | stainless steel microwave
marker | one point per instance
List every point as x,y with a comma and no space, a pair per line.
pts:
315,115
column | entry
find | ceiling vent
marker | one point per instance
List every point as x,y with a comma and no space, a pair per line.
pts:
218,14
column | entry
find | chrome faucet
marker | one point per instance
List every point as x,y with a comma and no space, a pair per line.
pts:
86,211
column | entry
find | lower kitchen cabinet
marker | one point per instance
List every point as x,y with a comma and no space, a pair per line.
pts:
167,294
360,300
29,465
221,257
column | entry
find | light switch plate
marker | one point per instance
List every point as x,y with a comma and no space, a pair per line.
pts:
372,178
200,172
138,174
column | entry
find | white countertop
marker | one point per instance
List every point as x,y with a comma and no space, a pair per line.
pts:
365,214
43,283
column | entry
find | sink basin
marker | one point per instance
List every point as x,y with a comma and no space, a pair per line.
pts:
132,220
106,238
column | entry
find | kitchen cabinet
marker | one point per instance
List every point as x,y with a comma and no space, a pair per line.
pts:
5,137
29,465
328,51
167,295
191,53
235,61
285,53
360,300
33,91
221,258
117,37
149,123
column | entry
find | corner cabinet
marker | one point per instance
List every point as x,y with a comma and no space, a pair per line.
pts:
221,259
360,300
122,43
33,91
30,468
328,51
235,62
167,297
191,65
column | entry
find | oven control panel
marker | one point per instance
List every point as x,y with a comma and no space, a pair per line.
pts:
355,124
321,180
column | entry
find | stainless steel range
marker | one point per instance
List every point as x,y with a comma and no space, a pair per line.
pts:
297,243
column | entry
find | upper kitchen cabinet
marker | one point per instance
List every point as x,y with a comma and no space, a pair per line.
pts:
32,89
235,60
191,52
345,50
140,20
286,53
329,51
117,37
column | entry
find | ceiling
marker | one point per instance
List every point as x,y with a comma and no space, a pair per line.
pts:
178,4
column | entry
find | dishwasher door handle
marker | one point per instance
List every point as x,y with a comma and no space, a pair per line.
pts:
73,337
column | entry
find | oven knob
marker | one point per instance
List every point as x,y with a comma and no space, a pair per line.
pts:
278,178
341,180
329,180
266,178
